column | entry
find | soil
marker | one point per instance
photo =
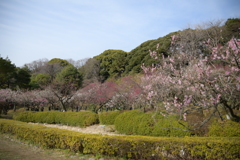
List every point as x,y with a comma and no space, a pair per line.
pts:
13,149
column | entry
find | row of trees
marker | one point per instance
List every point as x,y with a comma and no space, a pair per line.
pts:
64,96
56,80
39,73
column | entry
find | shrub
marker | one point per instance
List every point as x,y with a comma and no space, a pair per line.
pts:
124,123
150,124
109,117
81,119
24,116
50,117
131,147
224,129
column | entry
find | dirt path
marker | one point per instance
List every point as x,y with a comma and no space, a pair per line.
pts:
13,149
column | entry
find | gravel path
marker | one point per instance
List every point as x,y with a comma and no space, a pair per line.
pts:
94,129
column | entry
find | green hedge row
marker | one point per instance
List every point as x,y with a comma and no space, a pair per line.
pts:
225,129
129,122
108,118
149,124
81,119
131,147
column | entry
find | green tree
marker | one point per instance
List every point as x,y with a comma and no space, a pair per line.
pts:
23,77
140,54
38,80
7,72
60,61
70,74
231,28
112,63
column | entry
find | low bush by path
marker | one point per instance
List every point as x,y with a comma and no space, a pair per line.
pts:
131,147
81,119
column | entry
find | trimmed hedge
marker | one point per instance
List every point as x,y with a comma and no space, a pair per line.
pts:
108,118
225,129
150,124
131,147
81,119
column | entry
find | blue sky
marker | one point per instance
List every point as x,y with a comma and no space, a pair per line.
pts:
35,29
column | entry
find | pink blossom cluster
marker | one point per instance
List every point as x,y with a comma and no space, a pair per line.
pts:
202,82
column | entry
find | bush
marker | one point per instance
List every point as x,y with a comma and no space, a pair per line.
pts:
131,147
124,123
81,119
169,126
109,117
50,117
151,124
24,116
225,129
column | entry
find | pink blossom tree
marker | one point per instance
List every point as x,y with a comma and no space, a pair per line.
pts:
85,95
127,95
103,94
50,98
38,100
62,92
5,98
25,99
98,94
186,84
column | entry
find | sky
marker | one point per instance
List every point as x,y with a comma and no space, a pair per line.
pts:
31,30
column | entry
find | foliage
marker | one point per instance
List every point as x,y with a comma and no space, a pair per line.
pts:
7,70
22,77
112,63
140,54
60,61
231,28
81,119
227,128
70,74
150,124
24,116
40,79
108,118
131,147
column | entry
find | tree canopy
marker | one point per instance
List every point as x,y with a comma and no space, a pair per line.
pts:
7,70
70,74
60,61
112,63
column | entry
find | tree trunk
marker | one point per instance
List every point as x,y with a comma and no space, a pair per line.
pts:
230,112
